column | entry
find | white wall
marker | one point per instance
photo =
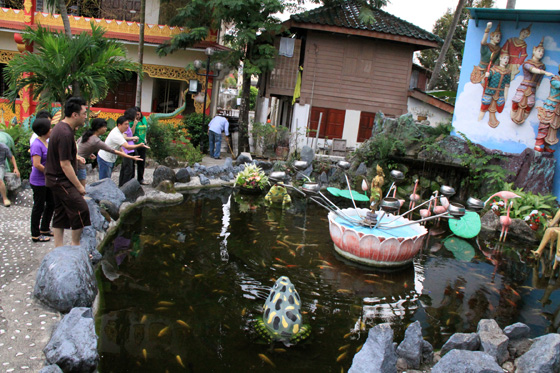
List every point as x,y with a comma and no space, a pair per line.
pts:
351,126
147,93
299,125
152,12
435,115
7,41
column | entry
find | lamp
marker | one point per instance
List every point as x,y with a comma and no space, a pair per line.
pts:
194,87
197,66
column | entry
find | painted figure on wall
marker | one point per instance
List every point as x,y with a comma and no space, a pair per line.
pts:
489,52
516,47
495,90
524,99
549,117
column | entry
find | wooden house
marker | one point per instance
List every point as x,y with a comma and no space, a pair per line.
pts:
350,71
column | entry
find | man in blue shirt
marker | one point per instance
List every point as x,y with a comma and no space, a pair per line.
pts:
215,128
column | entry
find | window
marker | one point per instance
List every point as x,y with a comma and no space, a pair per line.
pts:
122,97
367,122
332,122
3,83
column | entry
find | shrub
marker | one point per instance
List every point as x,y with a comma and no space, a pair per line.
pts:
197,132
21,138
184,150
159,139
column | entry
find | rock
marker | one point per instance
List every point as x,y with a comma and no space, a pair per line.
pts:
410,348
517,331
132,190
531,171
228,164
88,241
73,345
377,353
12,181
362,169
427,353
461,361
521,231
265,165
111,208
490,221
183,175
106,189
51,369
65,279
493,341
214,171
171,162
543,357
191,171
203,180
461,341
508,366
166,186
225,177
518,347
307,154
323,179
243,158
98,222
163,173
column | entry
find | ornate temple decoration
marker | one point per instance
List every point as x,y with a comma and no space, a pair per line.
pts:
28,11
14,15
168,72
6,56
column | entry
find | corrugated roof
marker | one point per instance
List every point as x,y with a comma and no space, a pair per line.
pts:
347,15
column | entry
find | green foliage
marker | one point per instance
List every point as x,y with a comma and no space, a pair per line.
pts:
160,140
21,138
448,79
252,97
93,62
184,150
528,202
251,177
263,136
197,132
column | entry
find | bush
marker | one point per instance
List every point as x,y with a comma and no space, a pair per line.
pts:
21,138
159,139
184,150
197,132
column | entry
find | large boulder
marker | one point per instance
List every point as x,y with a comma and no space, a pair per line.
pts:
543,357
98,222
88,241
203,180
243,158
493,341
65,279
410,348
132,190
51,369
183,175
106,189
461,361
517,331
307,154
163,173
377,353
73,345
461,341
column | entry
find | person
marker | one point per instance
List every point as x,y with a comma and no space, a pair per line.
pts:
216,126
40,114
524,99
516,48
70,208
549,117
496,90
90,143
141,132
43,202
489,52
6,154
127,166
115,140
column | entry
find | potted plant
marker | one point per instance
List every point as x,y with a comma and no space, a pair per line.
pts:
252,179
534,219
282,141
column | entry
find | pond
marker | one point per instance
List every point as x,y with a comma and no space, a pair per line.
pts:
181,286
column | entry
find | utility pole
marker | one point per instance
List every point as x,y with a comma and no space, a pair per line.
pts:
446,44
510,4
140,53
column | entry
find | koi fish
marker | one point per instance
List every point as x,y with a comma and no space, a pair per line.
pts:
199,275
183,324
282,243
165,303
347,335
243,312
344,291
178,358
371,282
143,319
280,260
163,331
359,348
278,265
145,354
341,357
292,266
267,360
342,348
173,255
292,253
281,350
161,308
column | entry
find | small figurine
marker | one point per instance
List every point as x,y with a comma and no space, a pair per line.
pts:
505,221
278,194
551,235
376,192
495,92
489,51
549,117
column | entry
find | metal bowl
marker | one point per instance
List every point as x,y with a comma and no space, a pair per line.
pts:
475,204
456,210
390,204
277,176
300,165
397,176
447,190
310,187
343,165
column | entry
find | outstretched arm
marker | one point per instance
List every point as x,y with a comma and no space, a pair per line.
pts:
16,171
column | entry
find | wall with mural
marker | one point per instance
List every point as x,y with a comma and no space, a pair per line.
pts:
509,89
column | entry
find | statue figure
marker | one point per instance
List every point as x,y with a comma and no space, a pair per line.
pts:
551,235
489,52
495,91
549,117
516,47
524,99
376,192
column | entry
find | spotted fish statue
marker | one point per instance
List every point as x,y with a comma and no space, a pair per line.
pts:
281,320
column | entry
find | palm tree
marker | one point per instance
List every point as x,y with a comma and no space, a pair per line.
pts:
61,5
94,62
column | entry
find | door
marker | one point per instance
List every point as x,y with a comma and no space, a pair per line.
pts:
332,122
367,122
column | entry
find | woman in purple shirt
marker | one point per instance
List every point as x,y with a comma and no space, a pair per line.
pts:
43,203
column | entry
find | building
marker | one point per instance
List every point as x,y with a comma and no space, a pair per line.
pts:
165,78
350,71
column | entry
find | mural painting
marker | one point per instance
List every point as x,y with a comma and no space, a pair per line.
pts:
509,99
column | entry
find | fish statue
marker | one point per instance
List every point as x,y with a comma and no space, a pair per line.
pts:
376,191
281,320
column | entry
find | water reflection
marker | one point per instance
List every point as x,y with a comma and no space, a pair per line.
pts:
169,300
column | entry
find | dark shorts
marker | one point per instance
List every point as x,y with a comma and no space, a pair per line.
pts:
70,208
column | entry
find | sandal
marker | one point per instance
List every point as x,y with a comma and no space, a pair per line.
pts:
7,203
47,234
40,239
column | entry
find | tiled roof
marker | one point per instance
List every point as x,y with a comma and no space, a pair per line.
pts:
347,15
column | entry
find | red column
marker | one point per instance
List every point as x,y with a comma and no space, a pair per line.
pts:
26,94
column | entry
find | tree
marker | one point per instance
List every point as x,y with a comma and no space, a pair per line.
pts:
448,78
93,61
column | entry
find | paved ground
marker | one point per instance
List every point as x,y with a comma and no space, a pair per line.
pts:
25,324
